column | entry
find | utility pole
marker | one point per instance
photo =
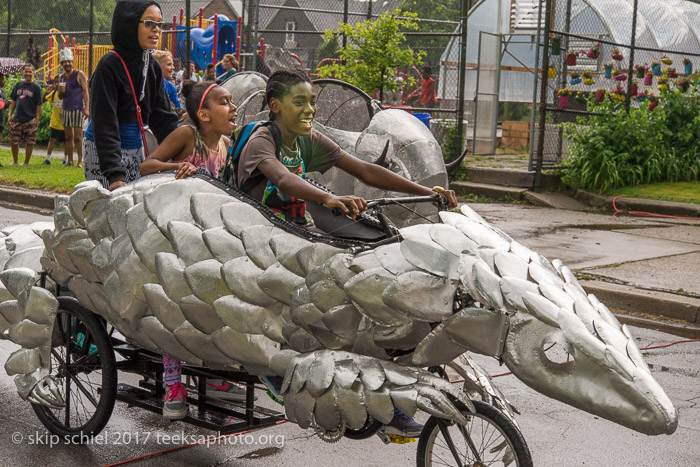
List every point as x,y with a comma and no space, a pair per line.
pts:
464,14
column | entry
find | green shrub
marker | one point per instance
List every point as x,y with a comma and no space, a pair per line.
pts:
615,148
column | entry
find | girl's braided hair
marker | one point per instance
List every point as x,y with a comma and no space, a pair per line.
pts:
280,82
193,93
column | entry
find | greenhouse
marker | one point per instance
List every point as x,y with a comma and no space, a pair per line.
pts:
670,27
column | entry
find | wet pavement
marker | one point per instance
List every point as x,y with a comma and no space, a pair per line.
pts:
647,253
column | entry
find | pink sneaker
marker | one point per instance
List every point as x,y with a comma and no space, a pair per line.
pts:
175,402
221,389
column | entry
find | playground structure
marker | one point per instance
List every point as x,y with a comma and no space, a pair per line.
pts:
210,39
57,41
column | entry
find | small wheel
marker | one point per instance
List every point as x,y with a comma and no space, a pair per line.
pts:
368,430
85,370
488,438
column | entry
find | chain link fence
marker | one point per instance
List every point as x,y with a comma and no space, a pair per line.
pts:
263,35
626,51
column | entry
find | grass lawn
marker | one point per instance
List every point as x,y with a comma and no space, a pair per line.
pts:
681,192
54,177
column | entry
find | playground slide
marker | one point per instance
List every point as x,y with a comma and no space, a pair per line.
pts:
203,42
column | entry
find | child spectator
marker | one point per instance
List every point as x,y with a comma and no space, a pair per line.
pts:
56,124
165,59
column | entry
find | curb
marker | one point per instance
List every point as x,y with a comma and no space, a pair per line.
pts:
672,313
43,200
625,204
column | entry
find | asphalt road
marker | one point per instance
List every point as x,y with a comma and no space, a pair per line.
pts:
558,435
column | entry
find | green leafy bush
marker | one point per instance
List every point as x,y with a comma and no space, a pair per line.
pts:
615,148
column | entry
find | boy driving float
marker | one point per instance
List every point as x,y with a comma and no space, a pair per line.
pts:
275,159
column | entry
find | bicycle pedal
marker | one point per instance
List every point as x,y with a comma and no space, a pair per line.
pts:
396,439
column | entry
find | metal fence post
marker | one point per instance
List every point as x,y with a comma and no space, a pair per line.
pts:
9,26
188,45
464,14
90,36
543,95
633,41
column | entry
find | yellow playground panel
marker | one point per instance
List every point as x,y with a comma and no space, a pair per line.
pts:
52,66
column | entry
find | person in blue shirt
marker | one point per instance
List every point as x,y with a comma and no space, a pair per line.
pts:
165,59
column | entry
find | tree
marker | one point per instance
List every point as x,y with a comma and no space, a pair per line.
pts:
374,51
446,10
329,49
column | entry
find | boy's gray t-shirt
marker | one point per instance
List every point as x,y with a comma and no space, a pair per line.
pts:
324,154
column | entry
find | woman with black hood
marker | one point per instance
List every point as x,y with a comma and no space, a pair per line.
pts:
113,146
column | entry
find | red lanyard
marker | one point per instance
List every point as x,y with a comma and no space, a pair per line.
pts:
136,102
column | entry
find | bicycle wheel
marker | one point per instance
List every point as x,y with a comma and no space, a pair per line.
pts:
488,439
85,370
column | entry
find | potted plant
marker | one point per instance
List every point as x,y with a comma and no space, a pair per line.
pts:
593,52
663,83
688,65
640,70
600,95
666,61
555,44
653,102
588,78
615,53
656,68
607,69
581,97
648,78
671,72
618,94
634,87
683,84
571,58
564,95
619,75
575,78
551,72
643,95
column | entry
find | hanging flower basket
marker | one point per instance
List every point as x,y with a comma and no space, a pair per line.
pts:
580,97
663,87
656,68
575,78
648,78
621,77
607,70
616,55
593,52
555,44
683,84
666,61
588,81
571,58
640,70
563,101
599,95
633,89
551,72
671,72
653,104
687,66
